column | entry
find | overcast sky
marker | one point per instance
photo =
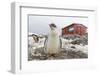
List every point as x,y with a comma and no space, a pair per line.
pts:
40,24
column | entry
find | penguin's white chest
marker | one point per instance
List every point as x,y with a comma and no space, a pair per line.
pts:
53,43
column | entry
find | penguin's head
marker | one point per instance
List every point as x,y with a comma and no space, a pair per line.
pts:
52,26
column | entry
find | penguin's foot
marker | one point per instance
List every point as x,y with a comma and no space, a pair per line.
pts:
52,55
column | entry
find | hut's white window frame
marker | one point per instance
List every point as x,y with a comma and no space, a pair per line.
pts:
71,29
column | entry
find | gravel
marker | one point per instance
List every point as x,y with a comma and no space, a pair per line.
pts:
63,54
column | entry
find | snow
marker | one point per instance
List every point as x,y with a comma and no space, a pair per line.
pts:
36,48
68,46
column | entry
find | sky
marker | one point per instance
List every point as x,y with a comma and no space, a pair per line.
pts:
40,24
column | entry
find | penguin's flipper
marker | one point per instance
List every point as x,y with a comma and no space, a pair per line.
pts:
60,42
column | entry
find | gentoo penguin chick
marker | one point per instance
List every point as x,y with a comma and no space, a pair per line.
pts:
52,43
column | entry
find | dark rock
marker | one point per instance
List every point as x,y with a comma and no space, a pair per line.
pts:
73,47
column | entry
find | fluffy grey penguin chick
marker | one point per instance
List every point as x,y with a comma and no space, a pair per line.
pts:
52,44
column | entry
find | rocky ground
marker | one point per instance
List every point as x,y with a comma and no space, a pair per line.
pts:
72,48
63,54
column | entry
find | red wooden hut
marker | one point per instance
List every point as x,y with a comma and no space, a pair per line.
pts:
74,29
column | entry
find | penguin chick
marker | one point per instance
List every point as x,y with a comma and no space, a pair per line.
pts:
52,44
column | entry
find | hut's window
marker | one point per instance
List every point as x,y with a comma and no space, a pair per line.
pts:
71,29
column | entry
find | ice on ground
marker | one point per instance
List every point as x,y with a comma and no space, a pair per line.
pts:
67,44
35,49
